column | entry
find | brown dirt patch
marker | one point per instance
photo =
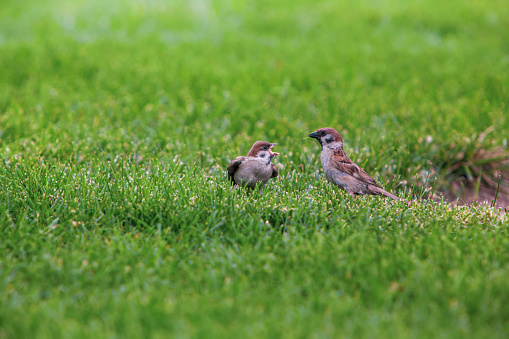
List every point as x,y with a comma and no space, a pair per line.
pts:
462,192
477,175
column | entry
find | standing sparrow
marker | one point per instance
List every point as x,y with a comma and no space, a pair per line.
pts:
256,168
340,170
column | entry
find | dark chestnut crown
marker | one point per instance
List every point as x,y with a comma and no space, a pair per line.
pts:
259,146
326,131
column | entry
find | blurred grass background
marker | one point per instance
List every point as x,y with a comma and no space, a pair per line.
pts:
229,72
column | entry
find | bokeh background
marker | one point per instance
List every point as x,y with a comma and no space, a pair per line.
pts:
204,79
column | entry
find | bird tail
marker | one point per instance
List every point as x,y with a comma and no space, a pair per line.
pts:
392,196
381,191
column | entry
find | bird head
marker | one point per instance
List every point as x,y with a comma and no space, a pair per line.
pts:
326,136
262,149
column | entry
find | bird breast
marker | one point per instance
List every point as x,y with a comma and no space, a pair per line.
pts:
332,174
325,157
252,171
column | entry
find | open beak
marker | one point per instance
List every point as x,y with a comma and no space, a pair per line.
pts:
274,153
314,135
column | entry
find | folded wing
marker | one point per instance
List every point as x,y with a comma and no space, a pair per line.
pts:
233,167
274,171
342,163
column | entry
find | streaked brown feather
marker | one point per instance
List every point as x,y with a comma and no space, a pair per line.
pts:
233,167
342,163
275,172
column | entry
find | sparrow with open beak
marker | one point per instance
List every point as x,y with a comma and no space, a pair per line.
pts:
340,170
256,168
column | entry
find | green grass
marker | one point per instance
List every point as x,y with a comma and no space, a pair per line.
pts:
118,119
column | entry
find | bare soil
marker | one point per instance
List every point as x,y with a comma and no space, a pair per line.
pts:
463,192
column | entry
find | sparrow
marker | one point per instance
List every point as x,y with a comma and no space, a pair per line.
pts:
340,170
256,168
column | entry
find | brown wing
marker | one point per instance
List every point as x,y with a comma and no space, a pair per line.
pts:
233,167
274,171
343,163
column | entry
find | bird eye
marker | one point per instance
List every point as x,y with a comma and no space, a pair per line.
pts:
323,133
265,147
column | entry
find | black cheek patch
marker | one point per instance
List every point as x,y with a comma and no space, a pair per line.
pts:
329,139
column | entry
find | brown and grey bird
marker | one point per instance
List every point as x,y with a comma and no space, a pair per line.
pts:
340,170
256,168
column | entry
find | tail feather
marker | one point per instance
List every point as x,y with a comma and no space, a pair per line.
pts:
381,191
390,195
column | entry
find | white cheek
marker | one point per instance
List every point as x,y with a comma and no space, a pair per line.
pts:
335,145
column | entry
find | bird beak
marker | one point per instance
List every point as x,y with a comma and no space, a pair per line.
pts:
274,153
314,135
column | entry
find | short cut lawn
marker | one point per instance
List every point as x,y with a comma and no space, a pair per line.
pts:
117,122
